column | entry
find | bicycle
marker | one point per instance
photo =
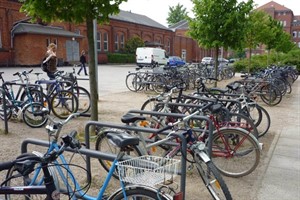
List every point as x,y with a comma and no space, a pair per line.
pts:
199,151
30,104
120,141
24,165
62,102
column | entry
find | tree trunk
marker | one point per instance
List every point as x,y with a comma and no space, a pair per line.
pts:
92,70
249,66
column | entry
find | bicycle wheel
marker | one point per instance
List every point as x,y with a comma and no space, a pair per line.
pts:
103,145
29,115
8,108
84,99
149,104
63,103
212,179
34,95
235,152
270,95
34,178
140,193
133,82
265,122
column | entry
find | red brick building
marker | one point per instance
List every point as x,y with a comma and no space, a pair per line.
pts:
289,21
23,43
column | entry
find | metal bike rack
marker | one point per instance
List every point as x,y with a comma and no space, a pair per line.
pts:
89,153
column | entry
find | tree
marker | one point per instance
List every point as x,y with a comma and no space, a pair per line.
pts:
76,11
254,32
133,43
176,14
219,23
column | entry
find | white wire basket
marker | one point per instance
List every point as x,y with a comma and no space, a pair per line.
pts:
148,170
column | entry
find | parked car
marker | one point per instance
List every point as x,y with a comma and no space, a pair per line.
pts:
207,61
175,61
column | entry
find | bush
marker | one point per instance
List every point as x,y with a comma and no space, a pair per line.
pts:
120,58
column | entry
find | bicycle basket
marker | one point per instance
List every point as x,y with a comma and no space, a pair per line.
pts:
69,77
148,170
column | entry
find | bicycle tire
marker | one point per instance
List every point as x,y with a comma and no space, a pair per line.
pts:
37,96
270,95
150,104
27,180
30,119
60,104
140,192
265,123
84,99
132,82
212,179
243,156
103,145
8,108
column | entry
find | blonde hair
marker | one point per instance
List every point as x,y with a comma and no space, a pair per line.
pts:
52,46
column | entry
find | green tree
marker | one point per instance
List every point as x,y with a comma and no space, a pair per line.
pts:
219,23
76,11
255,30
132,43
176,14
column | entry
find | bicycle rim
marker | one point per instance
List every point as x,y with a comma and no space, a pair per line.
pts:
235,152
29,115
84,99
64,103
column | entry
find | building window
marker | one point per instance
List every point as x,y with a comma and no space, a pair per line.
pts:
284,23
299,44
105,41
0,40
122,41
168,46
294,34
48,41
98,41
54,41
299,34
116,42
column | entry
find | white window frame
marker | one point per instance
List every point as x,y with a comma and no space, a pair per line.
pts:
98,41
105,41
122,41
116,42
294,34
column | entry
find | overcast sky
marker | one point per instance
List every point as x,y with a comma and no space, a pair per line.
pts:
158,9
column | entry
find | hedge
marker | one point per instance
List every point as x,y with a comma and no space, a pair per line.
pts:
120,58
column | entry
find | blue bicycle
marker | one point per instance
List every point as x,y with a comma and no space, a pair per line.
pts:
62,173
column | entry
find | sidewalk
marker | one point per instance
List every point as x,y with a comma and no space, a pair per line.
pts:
282,177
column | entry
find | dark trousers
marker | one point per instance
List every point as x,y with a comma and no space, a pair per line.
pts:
82,67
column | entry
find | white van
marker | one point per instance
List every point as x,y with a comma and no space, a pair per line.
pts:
151,57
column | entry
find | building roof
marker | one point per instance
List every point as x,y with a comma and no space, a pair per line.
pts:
137,19
183,24
22,28
275,6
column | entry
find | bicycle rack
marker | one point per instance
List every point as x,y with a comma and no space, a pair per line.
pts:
89,153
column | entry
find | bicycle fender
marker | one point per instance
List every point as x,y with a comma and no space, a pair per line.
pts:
204,157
